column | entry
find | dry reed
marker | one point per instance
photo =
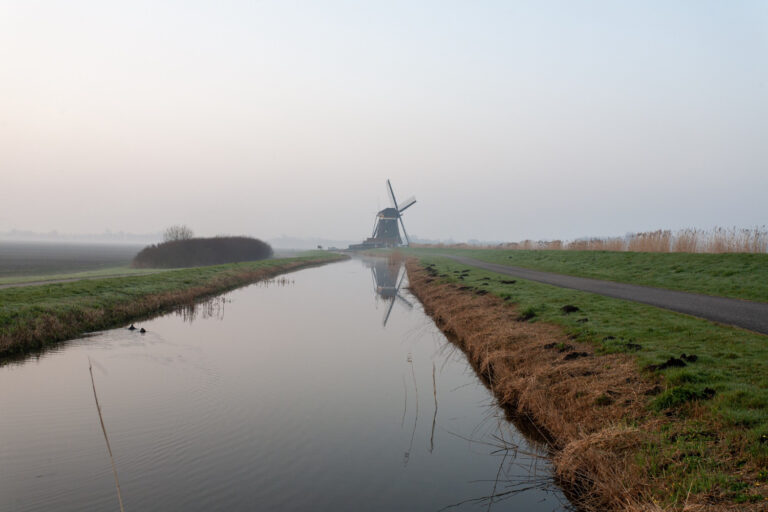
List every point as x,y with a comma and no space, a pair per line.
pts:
651,241
688,240
106,438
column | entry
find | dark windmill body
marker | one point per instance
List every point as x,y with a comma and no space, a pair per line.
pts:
386,228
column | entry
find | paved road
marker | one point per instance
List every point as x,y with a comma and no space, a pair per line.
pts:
741,313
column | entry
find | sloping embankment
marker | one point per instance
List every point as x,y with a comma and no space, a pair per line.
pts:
34,317
591,409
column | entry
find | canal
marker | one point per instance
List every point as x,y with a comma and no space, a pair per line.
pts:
324,389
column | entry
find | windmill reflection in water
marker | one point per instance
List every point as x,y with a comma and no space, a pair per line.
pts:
387,280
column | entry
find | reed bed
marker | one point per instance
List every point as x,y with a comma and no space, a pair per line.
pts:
717,240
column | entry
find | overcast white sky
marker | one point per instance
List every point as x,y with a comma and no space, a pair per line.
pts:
507,120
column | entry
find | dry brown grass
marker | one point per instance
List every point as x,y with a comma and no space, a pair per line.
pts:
591,408
651,241
716,240
687,240
395,258
597,244
581,405
722,240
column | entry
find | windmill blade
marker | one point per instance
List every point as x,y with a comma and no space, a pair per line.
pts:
400,281
399,285
407,240
391,195
404,300
407,204
389,311
375,278
394,299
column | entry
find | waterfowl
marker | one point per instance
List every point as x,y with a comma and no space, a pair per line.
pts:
132,328
143,330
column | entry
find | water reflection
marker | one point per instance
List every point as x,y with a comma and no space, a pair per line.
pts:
296,379
213,307
280,282
210,308
388,277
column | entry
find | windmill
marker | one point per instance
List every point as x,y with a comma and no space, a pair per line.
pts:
387,224
386,230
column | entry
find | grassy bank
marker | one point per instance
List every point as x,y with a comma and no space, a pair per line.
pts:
32,317
633,422
741,276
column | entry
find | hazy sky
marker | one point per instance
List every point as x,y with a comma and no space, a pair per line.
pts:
507,120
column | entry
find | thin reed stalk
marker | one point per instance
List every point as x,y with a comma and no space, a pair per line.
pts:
106,438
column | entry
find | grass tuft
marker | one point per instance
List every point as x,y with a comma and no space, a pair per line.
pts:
680,395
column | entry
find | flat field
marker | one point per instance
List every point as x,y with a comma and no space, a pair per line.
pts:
37,261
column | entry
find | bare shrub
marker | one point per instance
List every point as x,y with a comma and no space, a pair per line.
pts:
177,232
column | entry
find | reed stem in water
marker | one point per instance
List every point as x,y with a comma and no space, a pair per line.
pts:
106,438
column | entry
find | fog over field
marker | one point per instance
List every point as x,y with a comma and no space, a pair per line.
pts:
507,120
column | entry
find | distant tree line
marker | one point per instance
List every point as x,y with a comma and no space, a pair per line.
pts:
195,252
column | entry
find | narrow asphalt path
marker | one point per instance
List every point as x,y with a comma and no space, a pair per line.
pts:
740,313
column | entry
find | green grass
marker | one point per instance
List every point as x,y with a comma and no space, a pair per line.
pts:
63,310
729,377
87,274
741,276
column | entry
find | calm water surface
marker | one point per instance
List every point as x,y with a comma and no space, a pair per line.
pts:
286,395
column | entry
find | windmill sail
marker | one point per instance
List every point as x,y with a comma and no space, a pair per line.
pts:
391,195
406,204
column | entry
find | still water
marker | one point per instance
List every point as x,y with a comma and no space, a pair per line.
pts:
326,389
